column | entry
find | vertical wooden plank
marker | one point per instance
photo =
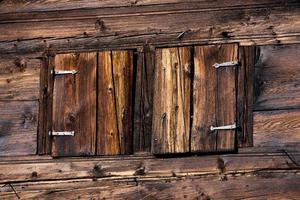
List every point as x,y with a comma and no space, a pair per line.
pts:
45,106
123,84
226,97
245,88
115,88
107,134
74,105
214,98
143,106
204,99
171,115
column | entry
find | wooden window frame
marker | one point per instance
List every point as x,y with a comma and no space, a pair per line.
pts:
145,63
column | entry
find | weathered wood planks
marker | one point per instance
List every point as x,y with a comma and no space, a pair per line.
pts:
277,77
171,106
127,167
268,24
18,127
74,105
214,98
143,100
245,95
274,187
277,128
115,102
19,79
46,5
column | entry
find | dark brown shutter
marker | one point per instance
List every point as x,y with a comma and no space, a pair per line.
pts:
171,107
214,98
74,105
115,103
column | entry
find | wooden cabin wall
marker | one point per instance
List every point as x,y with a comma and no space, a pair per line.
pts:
277,96
31,29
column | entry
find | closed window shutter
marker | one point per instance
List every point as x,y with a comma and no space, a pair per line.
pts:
191,96
74,105
214,98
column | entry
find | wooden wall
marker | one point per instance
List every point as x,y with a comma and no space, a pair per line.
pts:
29,29
277,96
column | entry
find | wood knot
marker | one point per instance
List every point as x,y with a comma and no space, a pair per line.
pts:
21,64
98,171
34,174
221,164
140,171
72,117
110,89
99,25
133,2
226,34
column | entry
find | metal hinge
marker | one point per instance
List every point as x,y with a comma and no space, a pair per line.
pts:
63,72
62,133
226,64
227,127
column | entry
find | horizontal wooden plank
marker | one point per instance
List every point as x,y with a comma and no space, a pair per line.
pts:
126,167
18,127
277,128
161,23
278,78
262,186
248,26
19,79
47,5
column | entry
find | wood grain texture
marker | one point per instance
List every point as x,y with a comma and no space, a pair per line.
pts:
46,5
143,106
226,113
123,167
214,98
274,187
277,78
19,79
171,107
45,105
74,105
115,108
259,25
277,128
18,127
245,86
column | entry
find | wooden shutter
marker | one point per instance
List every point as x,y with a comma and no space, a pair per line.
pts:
214,98
171,107
74,105
115,93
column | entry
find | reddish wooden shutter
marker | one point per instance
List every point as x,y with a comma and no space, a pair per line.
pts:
171,114
214,98
74,105
115,103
